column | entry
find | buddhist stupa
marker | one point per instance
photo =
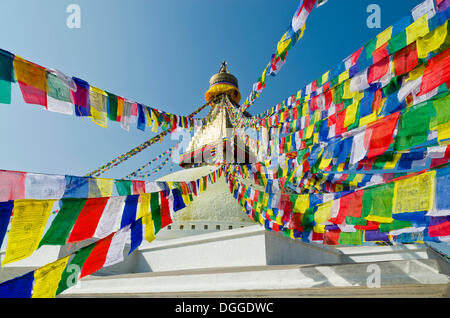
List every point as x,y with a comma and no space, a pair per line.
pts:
215,209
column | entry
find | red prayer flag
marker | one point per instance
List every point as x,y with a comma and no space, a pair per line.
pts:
349,205
97,257
436,73
406,59
138,186
381,135
331,237
441,229
88,219
340,120
378,70
165,209
380,53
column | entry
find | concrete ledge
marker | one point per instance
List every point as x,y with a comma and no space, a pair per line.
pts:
416,277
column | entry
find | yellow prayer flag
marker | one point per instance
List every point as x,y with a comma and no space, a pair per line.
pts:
348,94
29,73
417,29
144,203
98,105
414,194
432,41
325,77
149,229
350,114
46,279
416,73
444,133
155,123
301,204
393,163
383,37
27,227
368,119
100,187
309,131
323,212
324,163
344,76
120,103
283,44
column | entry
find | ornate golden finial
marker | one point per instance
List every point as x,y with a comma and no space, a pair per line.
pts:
224,68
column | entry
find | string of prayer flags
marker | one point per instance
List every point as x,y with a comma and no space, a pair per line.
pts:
287,41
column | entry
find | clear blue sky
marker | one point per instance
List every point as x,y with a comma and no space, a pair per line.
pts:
162,54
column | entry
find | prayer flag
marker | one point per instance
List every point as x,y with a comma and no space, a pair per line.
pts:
112,106
377,203
19,287
71,273
47,278
32,81
6,76
136,235
432,41
43,187
117,246
111,217
417,29
58,95
5,215
381,135
98,100
97,257
436,72
129,213
63,222
406,60
414,194
27,226
87,221
80,97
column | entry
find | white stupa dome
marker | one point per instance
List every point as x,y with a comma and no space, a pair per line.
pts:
214,209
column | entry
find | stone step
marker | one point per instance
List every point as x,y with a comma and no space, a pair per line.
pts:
410,278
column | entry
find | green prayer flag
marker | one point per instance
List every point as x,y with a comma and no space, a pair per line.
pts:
112,106
350,238
62,224
370,47
124,187
5,92
57,89
155,209
308,217
395,225
397,42
442,110
377,203
414,126
6,66
72,271
6,76
351,220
